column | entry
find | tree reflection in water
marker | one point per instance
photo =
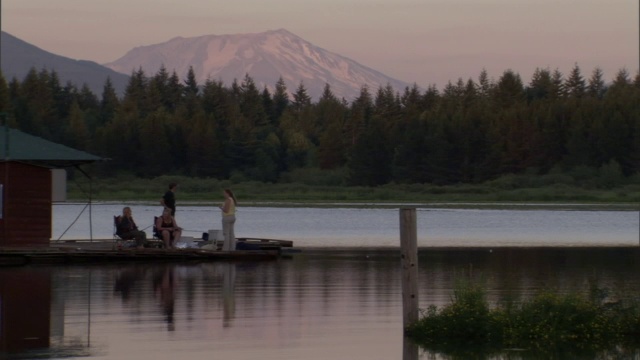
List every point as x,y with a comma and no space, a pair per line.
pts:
345,302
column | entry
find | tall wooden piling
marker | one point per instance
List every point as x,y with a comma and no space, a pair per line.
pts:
409,261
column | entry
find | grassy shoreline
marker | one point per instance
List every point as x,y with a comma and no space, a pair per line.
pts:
209,191
393,205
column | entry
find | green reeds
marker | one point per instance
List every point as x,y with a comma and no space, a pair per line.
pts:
547,323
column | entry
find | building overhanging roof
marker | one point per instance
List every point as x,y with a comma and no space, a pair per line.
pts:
16,145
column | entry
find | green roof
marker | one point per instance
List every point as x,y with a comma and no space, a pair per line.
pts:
38,151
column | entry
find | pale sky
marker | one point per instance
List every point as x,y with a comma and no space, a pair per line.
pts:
422,41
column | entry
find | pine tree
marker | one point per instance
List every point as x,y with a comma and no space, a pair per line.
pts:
122,129
191,88
575,85
411,102
409,167
77,133
35,104
302,111
370,161
431,98
580,142
331,115
175,91
596,87
90,105
387,107
267,105
109,103
620,84
280,101
136,95
360,115
191,103
4,95
485,87
251,104
557,85
157,148
541,85
86,99
509,90
204,152
471,94
301,99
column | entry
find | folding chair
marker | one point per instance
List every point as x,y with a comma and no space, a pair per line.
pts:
118,241
156,234
157,237
116,220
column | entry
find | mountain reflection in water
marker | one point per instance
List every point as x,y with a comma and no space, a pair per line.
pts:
325,304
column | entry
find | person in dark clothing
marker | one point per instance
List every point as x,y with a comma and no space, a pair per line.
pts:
127,229
169,198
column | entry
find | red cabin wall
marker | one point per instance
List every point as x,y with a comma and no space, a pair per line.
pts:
26,212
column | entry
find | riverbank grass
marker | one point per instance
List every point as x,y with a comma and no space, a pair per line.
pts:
547,323
503,190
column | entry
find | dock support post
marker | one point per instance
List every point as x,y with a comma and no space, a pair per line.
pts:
409,261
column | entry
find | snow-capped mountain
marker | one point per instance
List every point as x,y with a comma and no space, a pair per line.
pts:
265,57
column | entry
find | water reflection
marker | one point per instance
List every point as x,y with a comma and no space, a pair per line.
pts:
228,293
126,281
410,351
171,280
164,288
25,303
343,305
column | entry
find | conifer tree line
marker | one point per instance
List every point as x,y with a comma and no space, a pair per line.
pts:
468,132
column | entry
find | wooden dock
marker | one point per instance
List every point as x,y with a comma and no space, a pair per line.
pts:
111,250
63,255
281,243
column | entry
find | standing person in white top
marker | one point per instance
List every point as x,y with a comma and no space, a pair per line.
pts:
229,220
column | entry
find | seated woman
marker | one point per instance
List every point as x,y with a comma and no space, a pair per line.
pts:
167,229
127,229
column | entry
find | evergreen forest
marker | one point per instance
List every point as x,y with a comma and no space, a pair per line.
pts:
468,132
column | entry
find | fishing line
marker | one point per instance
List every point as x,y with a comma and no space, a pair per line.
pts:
74,221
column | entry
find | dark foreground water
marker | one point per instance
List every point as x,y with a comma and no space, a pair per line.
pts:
316,305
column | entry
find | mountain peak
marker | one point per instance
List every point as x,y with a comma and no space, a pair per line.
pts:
265,57
282,31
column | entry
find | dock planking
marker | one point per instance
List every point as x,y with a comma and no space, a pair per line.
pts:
116,250
62,255
282,243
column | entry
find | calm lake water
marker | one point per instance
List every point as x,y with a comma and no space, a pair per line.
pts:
374,226
324,303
